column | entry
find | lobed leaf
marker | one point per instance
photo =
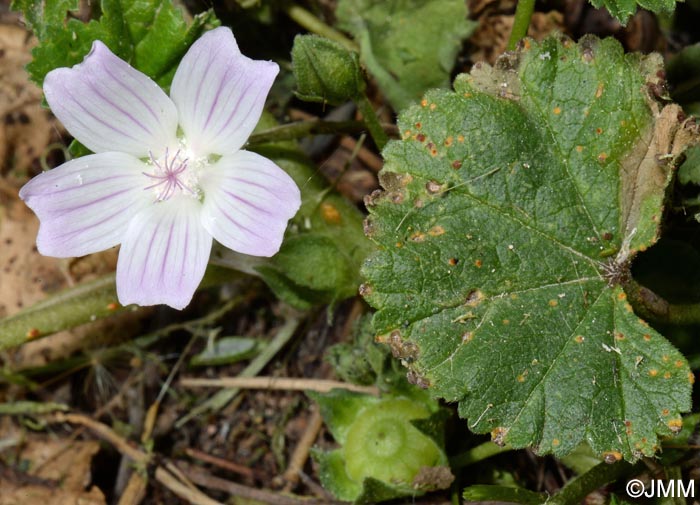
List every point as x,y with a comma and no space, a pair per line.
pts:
512,209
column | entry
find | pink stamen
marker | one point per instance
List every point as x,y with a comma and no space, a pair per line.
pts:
168,175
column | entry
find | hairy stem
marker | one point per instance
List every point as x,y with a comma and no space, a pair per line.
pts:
654,308
476,454
313,24
301,129
372,121
523,14
583,485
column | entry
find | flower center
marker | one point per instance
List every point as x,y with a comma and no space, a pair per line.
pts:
171,175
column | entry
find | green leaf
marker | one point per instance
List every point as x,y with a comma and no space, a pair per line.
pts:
503,494
385,453
409,46
623,9
512,209
226,350
149,34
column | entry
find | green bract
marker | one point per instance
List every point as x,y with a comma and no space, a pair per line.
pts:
326,71
409,46
383,454
512,209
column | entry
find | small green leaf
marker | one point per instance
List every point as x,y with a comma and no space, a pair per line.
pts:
512,209
326,71
623,9
226,350
503,494
409,46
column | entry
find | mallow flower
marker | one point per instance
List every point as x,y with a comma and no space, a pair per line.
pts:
169,173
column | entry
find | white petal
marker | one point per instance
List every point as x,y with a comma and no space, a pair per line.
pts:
247,203
164,254
110,106
220,93
86,204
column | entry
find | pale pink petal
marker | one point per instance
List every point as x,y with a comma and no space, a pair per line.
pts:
164,254
109,106
220,93
248,201
85,205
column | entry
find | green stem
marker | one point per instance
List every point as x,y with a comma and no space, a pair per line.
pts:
476,454
521,22
315,25
372,121
598,476
652,307
301,129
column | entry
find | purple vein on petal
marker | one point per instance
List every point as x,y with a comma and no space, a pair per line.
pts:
148,253
107,100
233,112
63,212
99,119
184,255
238,225
249,204
127,88
167,249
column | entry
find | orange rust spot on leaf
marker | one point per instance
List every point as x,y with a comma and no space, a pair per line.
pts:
621,296
675,424
424,103
653,372
419,125
406,134
602,157
598,131
506,322
553,303
619,336
478,263
456,164
579,149
691,377
557,110
556,442
647,337
453,261
667,375
33,333
330,213
665,358
460,138
112,306
420,137
498,435
432,106
678,363
611,457
436,231
599,91
579,339
417,236
399,245
448,141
